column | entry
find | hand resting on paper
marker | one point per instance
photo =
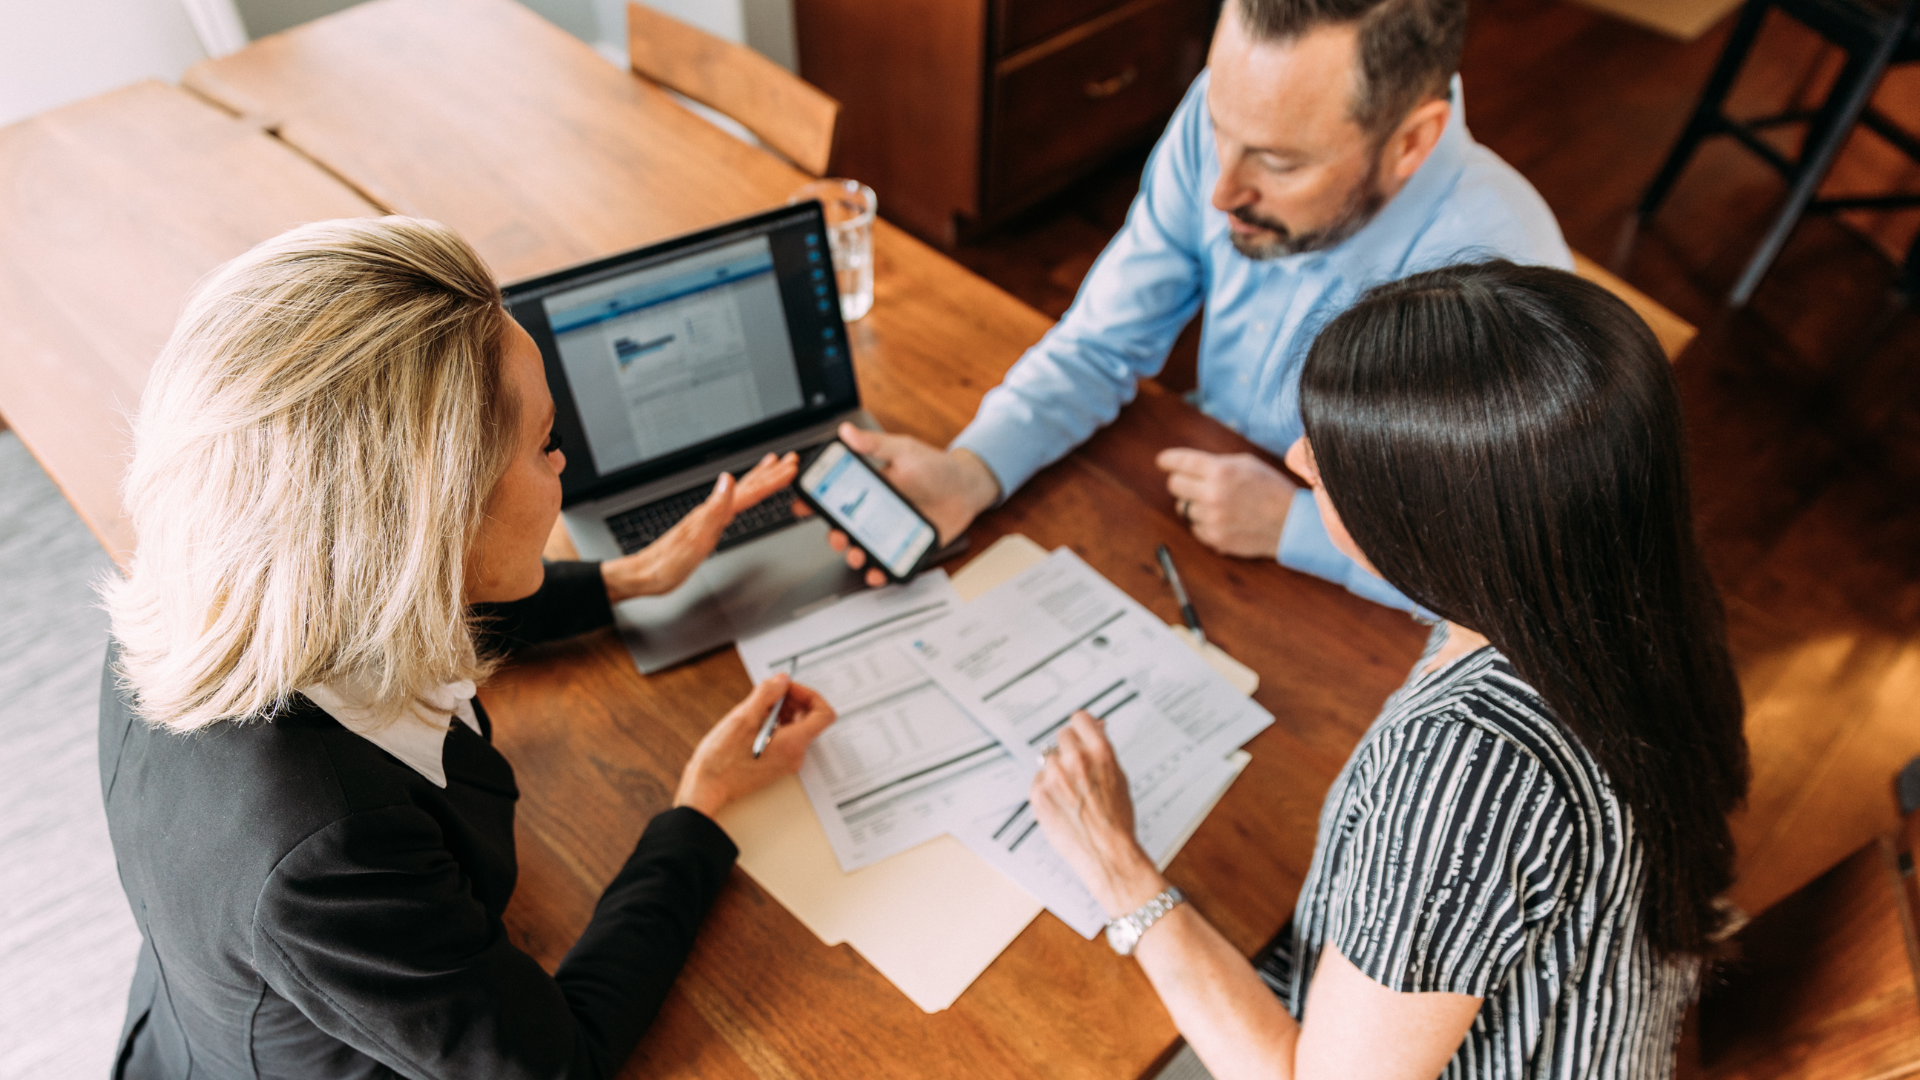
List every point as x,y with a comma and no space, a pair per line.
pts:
723,767
1081,799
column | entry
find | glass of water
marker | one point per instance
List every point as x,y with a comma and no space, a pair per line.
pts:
850,207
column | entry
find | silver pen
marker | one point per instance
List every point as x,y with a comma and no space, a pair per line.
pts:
765,736
1187,613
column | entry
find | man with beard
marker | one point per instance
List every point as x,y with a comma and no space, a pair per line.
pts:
1324,150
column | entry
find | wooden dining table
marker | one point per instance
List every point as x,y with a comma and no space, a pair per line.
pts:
110,211
479,114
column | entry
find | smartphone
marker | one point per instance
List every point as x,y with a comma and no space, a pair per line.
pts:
844,489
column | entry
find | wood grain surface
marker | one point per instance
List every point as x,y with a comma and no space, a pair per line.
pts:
911,80
554,156
110,211
1822,989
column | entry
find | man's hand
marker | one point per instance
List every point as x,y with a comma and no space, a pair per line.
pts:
1082,802
661,566
723,767
949,487
1236,504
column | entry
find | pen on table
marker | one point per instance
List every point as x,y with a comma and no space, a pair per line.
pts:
765,736
1180,593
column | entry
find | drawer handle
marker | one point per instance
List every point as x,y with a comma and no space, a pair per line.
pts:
1106,88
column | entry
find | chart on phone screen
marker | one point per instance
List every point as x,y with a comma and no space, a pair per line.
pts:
870,512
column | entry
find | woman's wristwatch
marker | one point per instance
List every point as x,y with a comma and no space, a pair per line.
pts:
1124,932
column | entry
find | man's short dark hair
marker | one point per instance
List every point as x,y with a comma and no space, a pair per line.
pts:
1409,49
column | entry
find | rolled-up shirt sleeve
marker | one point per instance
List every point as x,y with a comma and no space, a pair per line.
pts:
1144,289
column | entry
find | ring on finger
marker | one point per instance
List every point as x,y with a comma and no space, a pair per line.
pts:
1185,510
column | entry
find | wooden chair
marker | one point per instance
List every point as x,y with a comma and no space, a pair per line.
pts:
1672,331
1828,983
777,106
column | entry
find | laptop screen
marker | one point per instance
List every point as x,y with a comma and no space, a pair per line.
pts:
685,351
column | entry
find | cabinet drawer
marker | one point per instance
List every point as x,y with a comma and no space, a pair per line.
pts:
1087,92
1020,23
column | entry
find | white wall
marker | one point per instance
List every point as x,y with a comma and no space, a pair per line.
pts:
263,17
57,51
766,25
769,28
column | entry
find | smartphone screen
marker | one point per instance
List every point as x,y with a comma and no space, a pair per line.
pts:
866,509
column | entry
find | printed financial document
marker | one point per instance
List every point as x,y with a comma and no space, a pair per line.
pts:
1059,638
903,763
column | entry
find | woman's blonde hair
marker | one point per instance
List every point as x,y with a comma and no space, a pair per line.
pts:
312,459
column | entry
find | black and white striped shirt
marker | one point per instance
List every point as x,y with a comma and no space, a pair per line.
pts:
1471,846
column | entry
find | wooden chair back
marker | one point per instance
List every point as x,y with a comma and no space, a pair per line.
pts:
1672,331
1827,986
782,110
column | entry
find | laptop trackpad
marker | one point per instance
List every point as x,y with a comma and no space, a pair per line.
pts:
734,593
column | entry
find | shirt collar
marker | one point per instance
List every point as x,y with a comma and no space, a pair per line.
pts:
418,736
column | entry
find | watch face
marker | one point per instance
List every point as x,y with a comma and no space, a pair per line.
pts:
1122,936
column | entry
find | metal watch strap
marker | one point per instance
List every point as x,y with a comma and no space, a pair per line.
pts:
1124,933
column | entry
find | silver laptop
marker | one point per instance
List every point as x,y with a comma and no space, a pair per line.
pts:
679,361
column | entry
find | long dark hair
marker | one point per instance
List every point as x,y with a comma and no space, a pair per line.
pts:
1505,445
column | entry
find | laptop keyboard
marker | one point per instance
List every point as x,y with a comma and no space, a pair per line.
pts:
642,525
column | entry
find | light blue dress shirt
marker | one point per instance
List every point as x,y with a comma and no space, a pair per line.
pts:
1463,203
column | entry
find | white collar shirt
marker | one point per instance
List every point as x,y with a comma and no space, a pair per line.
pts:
417,737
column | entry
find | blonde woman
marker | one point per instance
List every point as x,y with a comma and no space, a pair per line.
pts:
343,476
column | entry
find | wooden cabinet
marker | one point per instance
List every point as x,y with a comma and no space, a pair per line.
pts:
961,112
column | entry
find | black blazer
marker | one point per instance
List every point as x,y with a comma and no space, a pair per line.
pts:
311,907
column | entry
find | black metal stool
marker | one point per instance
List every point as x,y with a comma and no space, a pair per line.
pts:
1875,35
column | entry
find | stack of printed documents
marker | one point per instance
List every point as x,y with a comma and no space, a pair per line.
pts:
946,707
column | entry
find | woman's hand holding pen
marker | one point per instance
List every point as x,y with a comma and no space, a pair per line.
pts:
723,767
1082,802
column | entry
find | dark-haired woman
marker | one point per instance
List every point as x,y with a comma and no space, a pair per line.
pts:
1516,872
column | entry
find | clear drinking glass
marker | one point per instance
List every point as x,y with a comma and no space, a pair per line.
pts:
850,207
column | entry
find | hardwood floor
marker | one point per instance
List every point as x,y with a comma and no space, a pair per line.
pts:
1823,988
1803,408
